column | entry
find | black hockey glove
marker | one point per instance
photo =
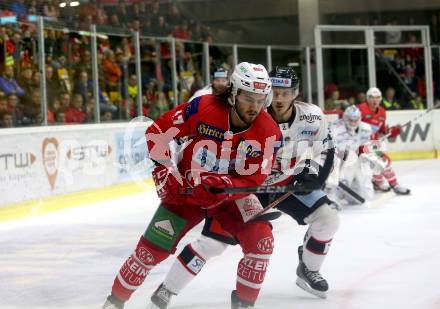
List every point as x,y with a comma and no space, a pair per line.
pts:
305,183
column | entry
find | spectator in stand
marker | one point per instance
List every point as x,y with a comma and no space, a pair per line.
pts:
52,44
50,9
85,64
112,71
36,77
393,37
132,88
3,103
6,120
122,12
90,111
8,84
135,12
414,53
83,86
159,107
173,16
60,118
32,107
147,27
65,101
25,81
75,113
434,29
181,31
52,84
333,102
15,109
389,100
162,28
106,117
135,25
53,108
114,21
417,103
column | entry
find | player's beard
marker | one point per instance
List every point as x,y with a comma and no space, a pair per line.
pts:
249,116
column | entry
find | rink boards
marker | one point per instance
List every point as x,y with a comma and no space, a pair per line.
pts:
44,168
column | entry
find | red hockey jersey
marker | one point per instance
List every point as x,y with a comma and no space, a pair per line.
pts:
210,145
375,119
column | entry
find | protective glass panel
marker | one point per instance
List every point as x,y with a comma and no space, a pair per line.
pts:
156,70
345,77
398,37
190,63
400,76
436,72
295,59
221,56
343,37
252,55
20,88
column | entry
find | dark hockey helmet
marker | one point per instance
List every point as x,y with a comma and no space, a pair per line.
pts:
284,77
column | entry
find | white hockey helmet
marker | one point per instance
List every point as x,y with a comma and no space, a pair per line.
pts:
374,92
253,78
352,117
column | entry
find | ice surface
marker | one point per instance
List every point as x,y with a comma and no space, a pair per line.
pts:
386,255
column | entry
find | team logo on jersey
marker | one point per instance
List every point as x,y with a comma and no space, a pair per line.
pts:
310,118
246,148
144,255
211,132
165,226
259,85
265,245
192,108
281,82
309,132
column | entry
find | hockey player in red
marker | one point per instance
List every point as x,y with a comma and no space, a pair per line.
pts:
299,122
229,142
375,115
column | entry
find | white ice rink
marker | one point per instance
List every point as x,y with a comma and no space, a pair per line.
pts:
384,256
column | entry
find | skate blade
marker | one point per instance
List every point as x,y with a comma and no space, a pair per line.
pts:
306,287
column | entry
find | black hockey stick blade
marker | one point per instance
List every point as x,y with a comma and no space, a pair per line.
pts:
259,189
353,194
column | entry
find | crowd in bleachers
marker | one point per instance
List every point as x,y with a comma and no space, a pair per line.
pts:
68,70
69,80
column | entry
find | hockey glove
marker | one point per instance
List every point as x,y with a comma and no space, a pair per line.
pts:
305,183
394,131
168,182
209,192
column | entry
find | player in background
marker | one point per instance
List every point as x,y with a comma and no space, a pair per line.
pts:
230,140
354,162
305,135
375,115
218,85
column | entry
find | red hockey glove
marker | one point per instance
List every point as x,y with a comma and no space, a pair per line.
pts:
168,182
394,131
209,192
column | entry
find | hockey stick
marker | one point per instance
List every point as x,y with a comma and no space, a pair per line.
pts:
416,118
268,207
352,193
257,189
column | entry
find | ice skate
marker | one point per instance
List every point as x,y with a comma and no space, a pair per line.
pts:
310,281
399,190
381,187
161,298
113,303
237,303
